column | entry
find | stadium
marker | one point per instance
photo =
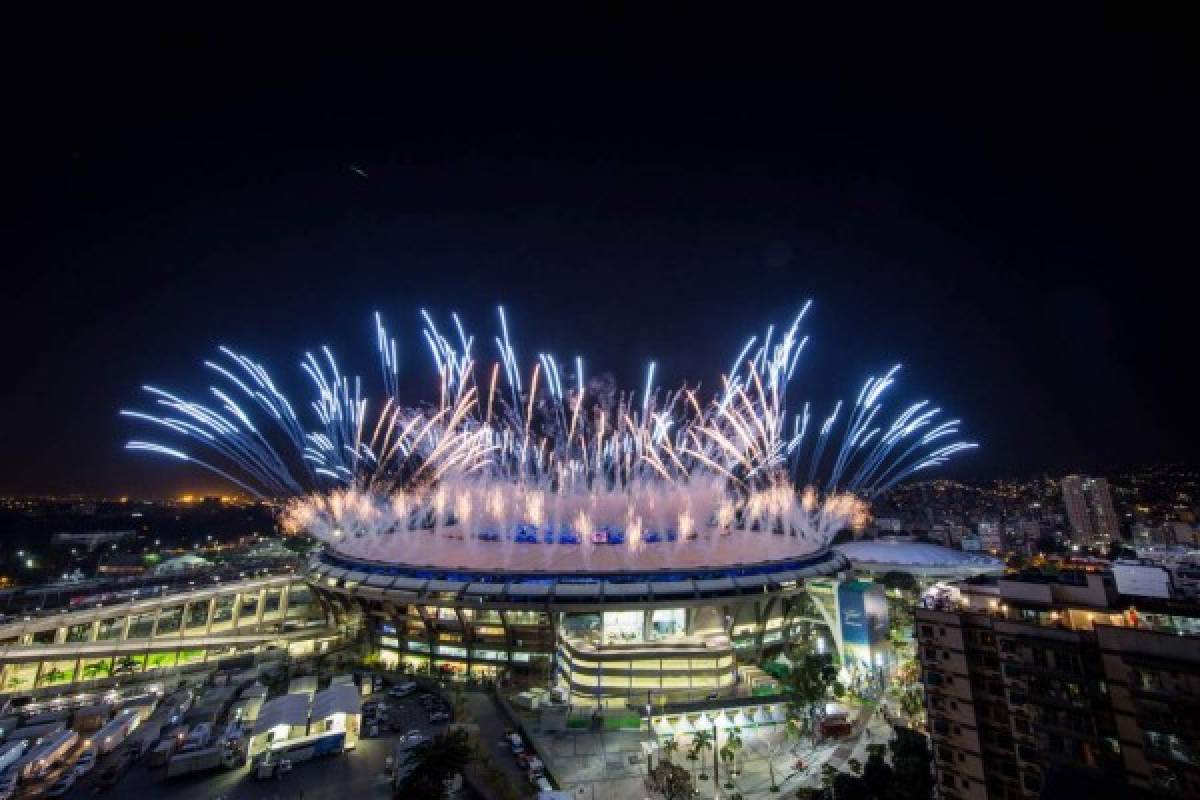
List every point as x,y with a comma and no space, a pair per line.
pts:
618,543
606,635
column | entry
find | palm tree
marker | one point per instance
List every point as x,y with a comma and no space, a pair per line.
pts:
670,747
701,742
727,755
693,755
735,741
791,732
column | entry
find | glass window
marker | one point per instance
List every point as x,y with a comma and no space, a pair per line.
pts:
55,673
80,633
160,660
666,622
91,669
197,614
111,628
169,621
141,626
223,610
623,626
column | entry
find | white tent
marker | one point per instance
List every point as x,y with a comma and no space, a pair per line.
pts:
341,698
290,710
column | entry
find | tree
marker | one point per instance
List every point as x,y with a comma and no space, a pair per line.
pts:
876,773
735,743
900,581
674,783
812,679
433,764
702,742
791,733
911,764
671,747
727,755
849,787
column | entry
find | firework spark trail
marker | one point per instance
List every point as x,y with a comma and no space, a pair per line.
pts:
572,468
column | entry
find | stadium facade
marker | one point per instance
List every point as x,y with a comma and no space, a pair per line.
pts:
609,638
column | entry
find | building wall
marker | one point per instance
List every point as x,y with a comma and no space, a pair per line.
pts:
52,652
1018,687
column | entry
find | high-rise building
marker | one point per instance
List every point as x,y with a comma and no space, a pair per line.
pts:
1032,682
1089,510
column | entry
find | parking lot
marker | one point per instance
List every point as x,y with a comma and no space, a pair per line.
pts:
356,773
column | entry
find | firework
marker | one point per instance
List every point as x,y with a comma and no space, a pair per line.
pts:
552,469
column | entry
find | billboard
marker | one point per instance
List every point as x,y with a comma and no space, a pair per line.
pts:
863,617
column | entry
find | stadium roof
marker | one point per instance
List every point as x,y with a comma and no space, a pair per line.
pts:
917,558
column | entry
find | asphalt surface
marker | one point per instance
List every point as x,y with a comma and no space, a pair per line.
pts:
492,727
357,773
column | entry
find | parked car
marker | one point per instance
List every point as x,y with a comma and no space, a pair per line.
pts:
402,690
439,716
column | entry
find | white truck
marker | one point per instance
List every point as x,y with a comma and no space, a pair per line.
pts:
195,761
115,731
11,753
47,753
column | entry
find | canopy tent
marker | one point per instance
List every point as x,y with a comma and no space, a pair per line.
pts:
342,698
290,710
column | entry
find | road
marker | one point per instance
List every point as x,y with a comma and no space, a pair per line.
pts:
492,726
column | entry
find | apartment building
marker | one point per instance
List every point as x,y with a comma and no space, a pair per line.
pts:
1026,677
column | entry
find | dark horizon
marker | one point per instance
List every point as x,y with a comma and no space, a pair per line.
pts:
1002,215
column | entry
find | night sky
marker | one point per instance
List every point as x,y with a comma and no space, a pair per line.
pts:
1007,209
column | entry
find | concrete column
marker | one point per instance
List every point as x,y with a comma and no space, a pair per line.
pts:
212,603
237,612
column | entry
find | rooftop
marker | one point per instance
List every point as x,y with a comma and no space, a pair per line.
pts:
922,558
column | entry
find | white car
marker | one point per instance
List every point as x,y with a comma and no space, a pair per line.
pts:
62,785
